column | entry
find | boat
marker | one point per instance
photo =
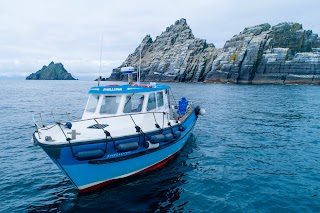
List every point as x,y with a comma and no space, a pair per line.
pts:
126,129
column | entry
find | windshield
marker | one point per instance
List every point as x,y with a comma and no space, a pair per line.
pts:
110,104
134,103
92,103
152,104
160,98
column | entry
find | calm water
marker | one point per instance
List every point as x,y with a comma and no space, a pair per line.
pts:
256,150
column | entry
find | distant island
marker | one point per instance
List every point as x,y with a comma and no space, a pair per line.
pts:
51,72
101,79
262,54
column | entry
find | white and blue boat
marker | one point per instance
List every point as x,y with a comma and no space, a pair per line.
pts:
124,130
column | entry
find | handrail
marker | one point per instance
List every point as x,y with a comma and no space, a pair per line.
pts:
97,118
43,125
122,115
34,121
37,126
138,129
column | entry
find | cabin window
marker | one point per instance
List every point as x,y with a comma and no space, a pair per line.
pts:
152,104
160,98
134,103
110,104
92,103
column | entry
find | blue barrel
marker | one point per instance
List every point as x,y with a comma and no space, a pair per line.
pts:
176,134
124,147
90,154
168,137
157,138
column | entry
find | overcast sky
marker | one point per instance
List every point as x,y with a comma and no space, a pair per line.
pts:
35,32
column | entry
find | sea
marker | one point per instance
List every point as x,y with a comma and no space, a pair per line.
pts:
257,149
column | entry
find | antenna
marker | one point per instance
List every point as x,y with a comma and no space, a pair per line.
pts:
100,61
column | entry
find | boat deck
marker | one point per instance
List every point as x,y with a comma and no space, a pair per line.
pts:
93,129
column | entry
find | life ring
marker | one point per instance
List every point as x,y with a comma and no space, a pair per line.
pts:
143,85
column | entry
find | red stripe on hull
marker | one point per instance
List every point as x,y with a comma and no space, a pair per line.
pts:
101,185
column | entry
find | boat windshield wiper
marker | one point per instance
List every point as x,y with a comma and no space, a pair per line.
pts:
128,100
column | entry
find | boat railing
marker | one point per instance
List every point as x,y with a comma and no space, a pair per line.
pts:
123,115
159,123
39,116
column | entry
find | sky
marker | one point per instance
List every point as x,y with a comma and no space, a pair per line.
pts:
35,32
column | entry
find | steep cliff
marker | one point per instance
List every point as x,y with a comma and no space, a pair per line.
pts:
51,72
175,55
284,53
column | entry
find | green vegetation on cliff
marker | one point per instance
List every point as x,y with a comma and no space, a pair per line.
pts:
51,72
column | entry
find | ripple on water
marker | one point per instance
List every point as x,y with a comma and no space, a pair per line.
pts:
256,150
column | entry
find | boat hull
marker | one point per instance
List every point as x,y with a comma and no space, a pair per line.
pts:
90,175
134,171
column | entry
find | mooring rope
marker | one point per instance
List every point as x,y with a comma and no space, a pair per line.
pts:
107,133
68,139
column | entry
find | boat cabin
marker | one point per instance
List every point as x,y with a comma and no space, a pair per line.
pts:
112,100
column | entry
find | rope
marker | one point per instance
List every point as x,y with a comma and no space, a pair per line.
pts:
68,139
157,125
169,124
59,124
139,130
133,120
107,133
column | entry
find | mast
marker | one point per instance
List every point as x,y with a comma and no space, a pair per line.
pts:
100,61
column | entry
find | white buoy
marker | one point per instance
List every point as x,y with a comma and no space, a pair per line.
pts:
202,111
151,145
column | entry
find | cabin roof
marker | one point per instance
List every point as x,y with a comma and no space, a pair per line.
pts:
123,89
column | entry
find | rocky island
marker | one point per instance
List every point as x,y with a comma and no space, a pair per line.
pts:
51,72
284,53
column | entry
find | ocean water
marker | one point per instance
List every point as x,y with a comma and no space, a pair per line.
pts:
256,150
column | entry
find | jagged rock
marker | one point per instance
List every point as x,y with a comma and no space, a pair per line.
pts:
175,55
284,53
101,79
51,72
256,30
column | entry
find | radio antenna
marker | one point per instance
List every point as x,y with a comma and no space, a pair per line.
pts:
100,61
